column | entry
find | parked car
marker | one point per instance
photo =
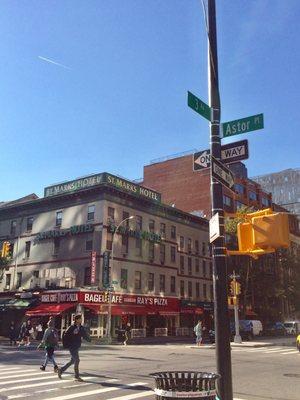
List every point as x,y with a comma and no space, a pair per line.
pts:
275,329
292,327
251,328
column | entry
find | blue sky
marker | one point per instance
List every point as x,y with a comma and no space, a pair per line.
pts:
118,99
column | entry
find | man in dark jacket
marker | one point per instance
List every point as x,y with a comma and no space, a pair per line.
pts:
72,338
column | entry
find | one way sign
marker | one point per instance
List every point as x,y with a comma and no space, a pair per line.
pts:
230,153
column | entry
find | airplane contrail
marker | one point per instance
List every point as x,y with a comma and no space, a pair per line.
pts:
53,62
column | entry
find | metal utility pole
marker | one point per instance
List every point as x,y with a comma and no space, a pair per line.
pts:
237,336
222,329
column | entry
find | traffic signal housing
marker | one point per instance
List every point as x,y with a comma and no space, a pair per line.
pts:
5,252
262,232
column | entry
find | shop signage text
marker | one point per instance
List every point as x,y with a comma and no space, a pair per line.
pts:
151,236
93,267
55,233
59,297
99,179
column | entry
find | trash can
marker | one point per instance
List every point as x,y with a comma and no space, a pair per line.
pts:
185,385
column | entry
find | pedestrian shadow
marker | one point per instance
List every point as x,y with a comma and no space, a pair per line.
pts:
137,358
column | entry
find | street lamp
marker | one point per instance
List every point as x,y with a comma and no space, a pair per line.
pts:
108,326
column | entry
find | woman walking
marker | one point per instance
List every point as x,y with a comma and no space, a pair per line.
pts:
198,333
49,342
127,333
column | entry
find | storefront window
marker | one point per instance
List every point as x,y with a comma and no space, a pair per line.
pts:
162,283
173,284
137,280
124,277
150,281
173,254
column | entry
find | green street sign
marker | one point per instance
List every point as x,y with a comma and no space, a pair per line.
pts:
199,106
243,125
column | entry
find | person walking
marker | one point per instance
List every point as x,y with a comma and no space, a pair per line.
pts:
25,331
39,331
12,334
72,341
127,333
49,342
198,333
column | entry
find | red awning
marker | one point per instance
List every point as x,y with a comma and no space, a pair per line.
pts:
49,309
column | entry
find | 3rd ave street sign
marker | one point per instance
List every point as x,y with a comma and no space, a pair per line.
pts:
243,125
220,172
199,106
230,153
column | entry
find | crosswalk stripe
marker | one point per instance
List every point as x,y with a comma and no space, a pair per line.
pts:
7,370
291,352
273,351
42,378
96,391
133,396
34,385
28,373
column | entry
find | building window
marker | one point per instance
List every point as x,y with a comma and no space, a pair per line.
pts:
56,245
36,274
151,251
162,283
173,284
125,243
189,245
197,265
197,246
124,278
204,268
203,248
91,212
190,271
139,223
19,280
265,201
7,281
111,214
197,290
252,196
211,292
29,223
239,204
87,276
151,225
182,265
210,269
163,230
190,289
109,239
204,291
138,246
173,232
137,280
162,253
89,245
182,288
239,188
27,249
150,281
173,254
58,218
13,226
227,201
181,243
125,216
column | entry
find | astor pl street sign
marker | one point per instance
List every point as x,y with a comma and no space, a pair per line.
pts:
199,106
230,153
222,173
243,125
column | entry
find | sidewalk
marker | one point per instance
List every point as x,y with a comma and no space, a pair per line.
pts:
260,342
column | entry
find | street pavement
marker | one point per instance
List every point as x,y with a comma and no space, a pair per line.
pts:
122,373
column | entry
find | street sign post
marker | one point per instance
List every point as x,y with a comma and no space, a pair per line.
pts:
230,153
199,106
223,174
243,125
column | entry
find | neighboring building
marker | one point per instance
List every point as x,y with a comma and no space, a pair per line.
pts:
161,267
190,190
284,186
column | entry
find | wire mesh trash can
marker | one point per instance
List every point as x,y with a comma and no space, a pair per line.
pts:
185,385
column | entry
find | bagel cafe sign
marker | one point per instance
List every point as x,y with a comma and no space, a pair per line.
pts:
58,233
102,179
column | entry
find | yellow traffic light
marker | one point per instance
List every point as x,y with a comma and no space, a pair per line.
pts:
237,288
232,288
263,232
5,249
